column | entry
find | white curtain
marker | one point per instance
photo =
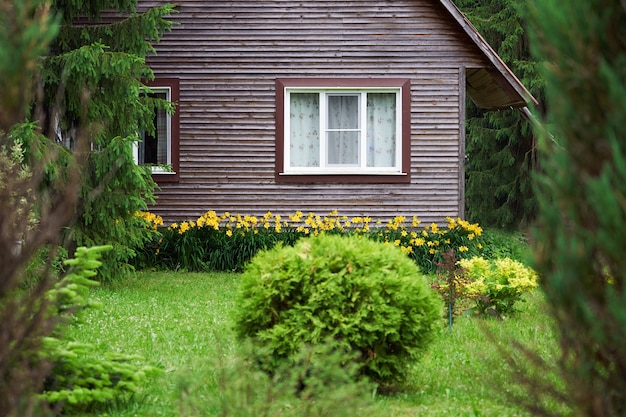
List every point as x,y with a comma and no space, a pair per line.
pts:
304,122
381,129
343,129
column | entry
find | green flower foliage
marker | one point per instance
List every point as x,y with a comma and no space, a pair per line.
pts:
368,297
497,284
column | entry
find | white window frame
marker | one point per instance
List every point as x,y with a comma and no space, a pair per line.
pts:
329,169
168,130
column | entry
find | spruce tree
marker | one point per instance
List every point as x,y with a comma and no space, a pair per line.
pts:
95,74
581,233
500,145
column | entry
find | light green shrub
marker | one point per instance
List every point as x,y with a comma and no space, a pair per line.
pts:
498,284
80,377
369,297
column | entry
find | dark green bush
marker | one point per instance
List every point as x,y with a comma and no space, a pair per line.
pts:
506,244
369,297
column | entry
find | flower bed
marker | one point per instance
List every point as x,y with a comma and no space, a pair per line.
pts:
228,241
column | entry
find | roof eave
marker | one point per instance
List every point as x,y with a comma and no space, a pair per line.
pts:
503,70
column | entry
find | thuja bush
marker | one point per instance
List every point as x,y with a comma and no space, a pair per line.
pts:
321,381
367,296
498,284
226,242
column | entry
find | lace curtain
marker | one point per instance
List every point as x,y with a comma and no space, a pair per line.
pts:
304,119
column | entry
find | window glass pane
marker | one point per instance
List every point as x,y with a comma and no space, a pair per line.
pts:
343,148
381,129
304,122
343,111
153,148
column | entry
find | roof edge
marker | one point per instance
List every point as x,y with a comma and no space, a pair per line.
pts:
488,51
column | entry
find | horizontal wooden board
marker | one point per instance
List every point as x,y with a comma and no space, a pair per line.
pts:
228,55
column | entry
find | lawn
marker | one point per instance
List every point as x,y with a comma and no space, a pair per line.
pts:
181,323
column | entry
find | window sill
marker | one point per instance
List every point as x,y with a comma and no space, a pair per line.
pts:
165,176
343,177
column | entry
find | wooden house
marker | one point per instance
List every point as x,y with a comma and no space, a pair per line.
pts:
319,105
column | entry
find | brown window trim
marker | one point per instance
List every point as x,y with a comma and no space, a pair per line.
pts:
174,85
404,83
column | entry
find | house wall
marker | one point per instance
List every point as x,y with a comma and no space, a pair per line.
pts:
228,55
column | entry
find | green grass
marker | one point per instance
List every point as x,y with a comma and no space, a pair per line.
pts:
181,323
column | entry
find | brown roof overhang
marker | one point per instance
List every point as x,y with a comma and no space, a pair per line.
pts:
494,87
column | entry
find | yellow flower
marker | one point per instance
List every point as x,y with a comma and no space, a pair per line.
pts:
418,242
463,249
184,226
404,233
229,233
174,226
432,251
296,217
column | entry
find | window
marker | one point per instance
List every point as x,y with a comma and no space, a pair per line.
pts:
354,130
160,150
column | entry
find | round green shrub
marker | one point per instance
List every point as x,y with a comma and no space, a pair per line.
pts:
369,297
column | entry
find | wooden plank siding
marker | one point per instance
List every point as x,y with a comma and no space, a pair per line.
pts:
228,55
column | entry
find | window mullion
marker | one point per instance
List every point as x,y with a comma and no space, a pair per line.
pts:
399,135
168,130
287,133
323,126
363,131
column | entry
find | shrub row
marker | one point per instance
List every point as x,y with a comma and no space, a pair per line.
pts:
227,242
